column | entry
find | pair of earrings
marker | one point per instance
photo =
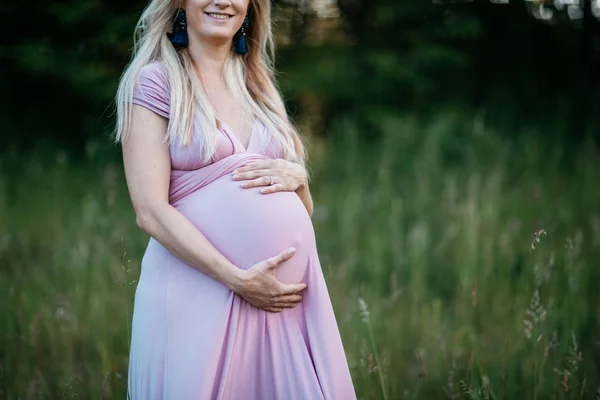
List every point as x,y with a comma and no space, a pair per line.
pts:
179,36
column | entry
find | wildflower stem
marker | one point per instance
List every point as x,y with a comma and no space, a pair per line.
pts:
364,310
538,381
379,369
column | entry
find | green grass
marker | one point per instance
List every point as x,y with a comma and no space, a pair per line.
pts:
461,265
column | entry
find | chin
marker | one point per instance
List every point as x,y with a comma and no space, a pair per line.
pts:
215,35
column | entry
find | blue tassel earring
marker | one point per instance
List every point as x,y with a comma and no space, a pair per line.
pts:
179,36
241,46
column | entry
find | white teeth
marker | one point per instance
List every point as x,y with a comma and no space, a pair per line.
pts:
219,16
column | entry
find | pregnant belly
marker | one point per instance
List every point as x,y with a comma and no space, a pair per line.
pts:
248,227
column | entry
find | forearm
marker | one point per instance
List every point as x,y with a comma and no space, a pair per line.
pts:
304,193
177,234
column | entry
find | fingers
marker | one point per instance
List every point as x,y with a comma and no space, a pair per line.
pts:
293,288
289,300
279,306
281,302
285,255
262,181
253,174
260,164
278,187
285,305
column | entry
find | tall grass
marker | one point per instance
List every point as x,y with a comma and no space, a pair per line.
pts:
460,265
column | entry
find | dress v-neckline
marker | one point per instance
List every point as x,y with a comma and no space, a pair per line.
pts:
229,131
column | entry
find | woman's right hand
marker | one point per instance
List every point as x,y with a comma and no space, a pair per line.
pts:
260,288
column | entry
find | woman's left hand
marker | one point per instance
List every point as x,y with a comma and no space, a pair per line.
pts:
277,175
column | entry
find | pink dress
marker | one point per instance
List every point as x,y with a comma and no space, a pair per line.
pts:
192,338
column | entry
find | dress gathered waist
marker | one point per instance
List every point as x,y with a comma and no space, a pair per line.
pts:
187,182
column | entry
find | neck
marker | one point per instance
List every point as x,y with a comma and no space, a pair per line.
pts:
209,58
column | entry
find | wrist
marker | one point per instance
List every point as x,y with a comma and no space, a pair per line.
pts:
234,278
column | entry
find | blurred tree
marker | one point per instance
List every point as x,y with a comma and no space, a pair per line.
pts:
61,69
553,55
62,60
393,56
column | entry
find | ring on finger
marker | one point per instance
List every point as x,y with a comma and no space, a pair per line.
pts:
270,180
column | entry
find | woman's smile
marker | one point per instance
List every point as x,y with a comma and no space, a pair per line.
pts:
218,17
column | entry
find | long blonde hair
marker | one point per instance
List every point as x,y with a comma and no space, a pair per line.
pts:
250,79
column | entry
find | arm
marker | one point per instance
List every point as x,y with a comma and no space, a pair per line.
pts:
147,165
147,169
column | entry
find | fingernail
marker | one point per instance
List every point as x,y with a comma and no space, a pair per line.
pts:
235,176
244,185
263,190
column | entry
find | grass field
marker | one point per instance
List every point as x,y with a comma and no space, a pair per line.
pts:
460,264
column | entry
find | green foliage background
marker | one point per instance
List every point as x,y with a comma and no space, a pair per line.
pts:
454,165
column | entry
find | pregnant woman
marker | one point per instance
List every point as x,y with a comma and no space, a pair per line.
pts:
231,302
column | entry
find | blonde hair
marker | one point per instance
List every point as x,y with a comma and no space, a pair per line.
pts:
250,79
